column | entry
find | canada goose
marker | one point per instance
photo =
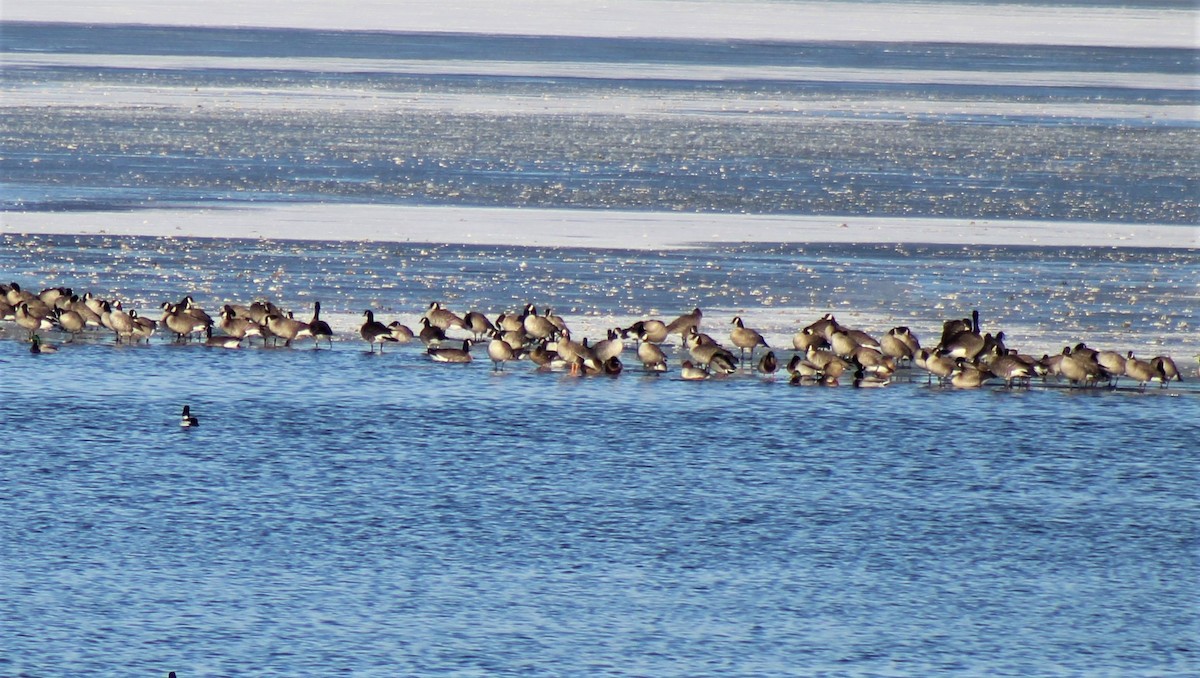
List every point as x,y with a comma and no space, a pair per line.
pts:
952,328
90,317
37,346
556,320
32,318
319,329
808,338
768,364
689,372
51,295
652,357
237,326
430,334
685,323
705,351
610,347
803,371
117,320
937,366
745,338
478,324
500,351
7,312
143,328
1010,368
1079,369
373,331
872,361
443,318
183,324
287,327
842,344
189,307
15,295
893,345
1165,366
824,327
220,340
70,321
187,420
400,332
968,375
1141,371
723,363
451,355
510,322
538,326
654,331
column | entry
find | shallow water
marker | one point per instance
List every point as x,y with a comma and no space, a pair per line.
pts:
338,511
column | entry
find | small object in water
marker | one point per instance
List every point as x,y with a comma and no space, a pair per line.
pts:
187,420
36,346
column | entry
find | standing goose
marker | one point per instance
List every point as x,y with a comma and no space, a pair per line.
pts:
893,345
745,338
1079,368
500,351
536,326
237,326
31,317
610,347
144,328
430,334
1113,364
70,321
443,318
117,320
451,355
373,331
654,331
1141,371
478,324
287,327
686,323
180,322
319,329
652,357
1165,366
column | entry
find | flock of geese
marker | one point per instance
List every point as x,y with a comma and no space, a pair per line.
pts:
825,352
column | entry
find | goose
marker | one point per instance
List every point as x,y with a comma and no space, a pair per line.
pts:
478,324
556,320
319,329
1011,368
803,371
7,311
1141,371
895,347
500,351
373,331
808,338
287,327
117,320
400,332
451,355
745,338
178,321
710,354
824,326
842,344
937,366
187,419
510,322
1079,369
202,318
1113,364
37,346
237,326
443,318
652,357
70,321
686,323
144,328
32,317
536,326
654,331
430,334
221,340
967,374
689,372
610,347
1165,366
872,361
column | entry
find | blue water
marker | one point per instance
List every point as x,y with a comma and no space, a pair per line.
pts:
342,512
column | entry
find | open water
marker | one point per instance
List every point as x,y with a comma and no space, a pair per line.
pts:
342,512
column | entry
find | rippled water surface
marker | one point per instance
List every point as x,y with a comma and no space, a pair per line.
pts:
339,511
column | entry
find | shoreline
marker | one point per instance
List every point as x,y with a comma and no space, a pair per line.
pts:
566,228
